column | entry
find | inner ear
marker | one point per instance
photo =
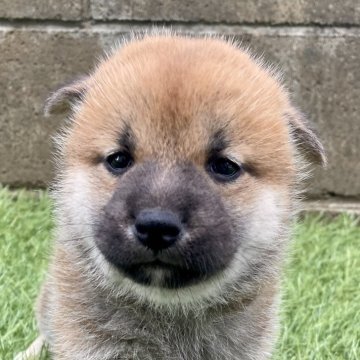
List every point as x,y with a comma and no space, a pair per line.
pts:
61,100
305,138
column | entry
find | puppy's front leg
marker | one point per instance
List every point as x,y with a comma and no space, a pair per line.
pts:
33,351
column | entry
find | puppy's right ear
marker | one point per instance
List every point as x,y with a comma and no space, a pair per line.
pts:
305,138
61,100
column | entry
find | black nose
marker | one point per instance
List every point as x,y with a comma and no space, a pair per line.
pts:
157,229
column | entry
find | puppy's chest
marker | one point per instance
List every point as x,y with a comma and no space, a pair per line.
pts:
146,337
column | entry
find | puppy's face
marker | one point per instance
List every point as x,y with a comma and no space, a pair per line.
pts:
179,167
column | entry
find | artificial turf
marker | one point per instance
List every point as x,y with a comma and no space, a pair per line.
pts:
321,295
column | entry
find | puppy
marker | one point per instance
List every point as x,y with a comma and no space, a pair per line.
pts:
177,181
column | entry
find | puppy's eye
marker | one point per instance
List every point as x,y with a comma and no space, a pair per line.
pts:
224,169
119,162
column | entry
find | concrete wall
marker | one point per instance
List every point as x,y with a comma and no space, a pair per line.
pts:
46,42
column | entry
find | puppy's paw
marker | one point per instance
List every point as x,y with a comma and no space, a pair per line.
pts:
33,351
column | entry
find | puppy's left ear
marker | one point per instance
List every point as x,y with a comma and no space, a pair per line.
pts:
61,100
305,138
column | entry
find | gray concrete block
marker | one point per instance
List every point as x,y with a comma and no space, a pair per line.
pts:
32,63
332,207
41,9
230,11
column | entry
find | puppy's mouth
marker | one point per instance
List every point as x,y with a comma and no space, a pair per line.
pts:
162,274
159,264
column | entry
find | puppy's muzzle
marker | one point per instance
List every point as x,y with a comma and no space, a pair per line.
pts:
166,227
157,229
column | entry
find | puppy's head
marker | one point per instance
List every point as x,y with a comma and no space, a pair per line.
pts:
179,168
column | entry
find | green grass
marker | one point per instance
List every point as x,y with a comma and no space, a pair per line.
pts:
25,228
321,302
321,306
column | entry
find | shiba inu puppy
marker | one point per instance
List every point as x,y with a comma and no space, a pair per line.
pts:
177,182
